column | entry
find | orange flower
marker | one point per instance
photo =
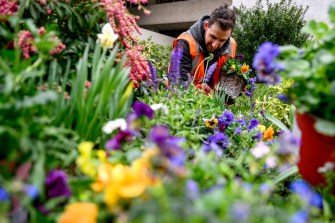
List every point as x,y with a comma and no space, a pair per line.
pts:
244,68
79,213
268,134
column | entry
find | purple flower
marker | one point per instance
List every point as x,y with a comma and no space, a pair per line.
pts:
219,138
258,136
153,73
208,147
115,142
240,211
251,87
169,145
237,130
288,144
142,109
210,72
283,97
192,189
300,217
4,196
306,192
264,63
242,122
174,71
56,184
239,57
226,119
31,191
253,124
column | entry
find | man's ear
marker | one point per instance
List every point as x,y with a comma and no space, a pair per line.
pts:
206,25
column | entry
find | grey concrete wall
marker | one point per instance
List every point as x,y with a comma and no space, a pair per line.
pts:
156,37
318,9
177,12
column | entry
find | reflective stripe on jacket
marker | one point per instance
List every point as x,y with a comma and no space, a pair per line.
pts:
198,66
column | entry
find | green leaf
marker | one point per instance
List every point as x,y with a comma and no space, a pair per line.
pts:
277,122
285,174
325,127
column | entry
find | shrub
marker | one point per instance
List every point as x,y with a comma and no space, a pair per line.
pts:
279,22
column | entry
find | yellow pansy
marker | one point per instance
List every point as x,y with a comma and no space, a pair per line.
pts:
85,148
233,67
261,127
211,123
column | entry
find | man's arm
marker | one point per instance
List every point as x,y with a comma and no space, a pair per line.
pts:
186,61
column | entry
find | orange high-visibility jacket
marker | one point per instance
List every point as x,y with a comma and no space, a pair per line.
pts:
198,65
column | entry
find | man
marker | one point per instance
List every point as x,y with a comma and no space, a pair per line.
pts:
210,35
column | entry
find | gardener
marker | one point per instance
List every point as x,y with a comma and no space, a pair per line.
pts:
210,35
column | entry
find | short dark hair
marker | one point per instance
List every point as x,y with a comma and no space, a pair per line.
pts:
224,16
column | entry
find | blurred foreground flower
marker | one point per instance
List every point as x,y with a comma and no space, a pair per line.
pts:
79,213
107,37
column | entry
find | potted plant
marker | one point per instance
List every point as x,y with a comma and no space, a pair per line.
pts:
312,69
233,78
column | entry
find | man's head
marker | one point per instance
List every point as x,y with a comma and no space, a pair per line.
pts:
219,27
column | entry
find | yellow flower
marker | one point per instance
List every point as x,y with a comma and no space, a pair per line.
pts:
107,37
101,154
233,67
244,68
261,127
268,134
80,213
85,148
211,123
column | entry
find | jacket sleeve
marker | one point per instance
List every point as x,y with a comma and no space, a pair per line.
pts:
186,60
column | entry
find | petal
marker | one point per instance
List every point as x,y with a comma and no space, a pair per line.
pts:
107,28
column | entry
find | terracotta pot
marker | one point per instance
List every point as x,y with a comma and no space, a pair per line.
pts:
316,149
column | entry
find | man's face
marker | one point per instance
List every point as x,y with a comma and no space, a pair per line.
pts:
215,37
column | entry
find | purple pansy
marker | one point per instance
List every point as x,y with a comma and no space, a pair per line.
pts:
253,124
306,192
142,109
264,64
56,184
225,120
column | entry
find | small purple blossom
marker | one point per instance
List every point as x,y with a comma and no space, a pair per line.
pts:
56,184
31,191
258,136
242,122
300,217
192,189
239,57
219,138
153,73
237,130
288,144
210,72
226,119
253,124
174,71
264,64
4,196
283,97
115,142
142,109
240,211
306,192
169,145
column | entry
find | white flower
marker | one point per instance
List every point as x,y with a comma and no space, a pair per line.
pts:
107,37
164,108
271,161
112,125
260,150
327,167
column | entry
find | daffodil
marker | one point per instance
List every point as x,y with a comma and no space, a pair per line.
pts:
107,37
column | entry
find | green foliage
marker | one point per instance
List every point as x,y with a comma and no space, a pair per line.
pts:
108,97
280,23
159,55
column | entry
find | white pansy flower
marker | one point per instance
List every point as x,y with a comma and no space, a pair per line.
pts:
115,124
164,108
260,150
107,37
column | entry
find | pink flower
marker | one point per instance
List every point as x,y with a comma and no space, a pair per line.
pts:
7,8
